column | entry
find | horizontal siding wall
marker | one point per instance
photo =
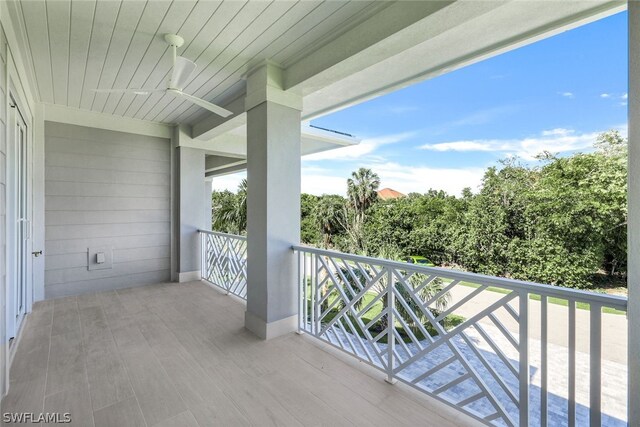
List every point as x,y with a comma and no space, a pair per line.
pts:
105,189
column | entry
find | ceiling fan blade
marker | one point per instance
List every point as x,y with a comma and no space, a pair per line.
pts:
182,70
204,104
140,91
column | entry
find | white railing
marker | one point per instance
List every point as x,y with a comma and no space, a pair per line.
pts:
224,261
500,361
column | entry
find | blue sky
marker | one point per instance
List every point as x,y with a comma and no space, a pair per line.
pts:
555,95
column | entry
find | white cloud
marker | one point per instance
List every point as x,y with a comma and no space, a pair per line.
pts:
566,94
315,180
419,179
623,129
622,97
228,182
406,179
318,179
320,184
468,145
403,178
321,179
366,147
555,140
557,132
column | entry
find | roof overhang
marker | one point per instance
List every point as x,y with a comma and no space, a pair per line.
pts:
227,152
408,42
352,53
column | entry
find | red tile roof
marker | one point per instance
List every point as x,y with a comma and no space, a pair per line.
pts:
388,193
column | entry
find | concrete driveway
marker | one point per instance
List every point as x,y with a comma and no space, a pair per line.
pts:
614,326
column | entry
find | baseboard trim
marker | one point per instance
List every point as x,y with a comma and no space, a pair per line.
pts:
270,330
189,276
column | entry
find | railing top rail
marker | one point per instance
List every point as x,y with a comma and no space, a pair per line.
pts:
218,233
612,301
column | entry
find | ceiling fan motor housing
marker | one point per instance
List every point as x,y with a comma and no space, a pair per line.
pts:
174,40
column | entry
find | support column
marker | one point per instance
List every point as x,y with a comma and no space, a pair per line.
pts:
190,210
207,203
633,221
273,205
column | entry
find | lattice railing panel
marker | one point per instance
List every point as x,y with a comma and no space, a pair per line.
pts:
224,262
343,307
459,337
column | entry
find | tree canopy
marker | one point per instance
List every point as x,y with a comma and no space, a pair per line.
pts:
558,220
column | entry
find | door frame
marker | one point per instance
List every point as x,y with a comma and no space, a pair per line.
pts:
15,111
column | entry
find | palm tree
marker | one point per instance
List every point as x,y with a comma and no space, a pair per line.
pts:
231,214
352,280
329,214
241,206
425,294
362,191
357,284
221,201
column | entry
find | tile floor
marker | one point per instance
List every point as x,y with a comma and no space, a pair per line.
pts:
178,355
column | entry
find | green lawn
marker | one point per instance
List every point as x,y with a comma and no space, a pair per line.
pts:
449,322
551,300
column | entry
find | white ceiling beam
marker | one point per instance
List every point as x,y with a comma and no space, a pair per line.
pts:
214,125
234,144
75,116
407,42
451,38
227,170
215,163
395,28
349,48
230,144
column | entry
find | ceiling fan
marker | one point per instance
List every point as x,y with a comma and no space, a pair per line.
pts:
182,70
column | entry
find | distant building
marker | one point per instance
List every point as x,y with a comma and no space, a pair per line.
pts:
388,194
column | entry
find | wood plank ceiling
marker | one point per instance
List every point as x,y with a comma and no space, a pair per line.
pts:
79,45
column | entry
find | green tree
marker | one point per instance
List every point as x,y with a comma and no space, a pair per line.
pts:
230,213
357,282
557,220
221,201
329,215
362,193
309,232
578,208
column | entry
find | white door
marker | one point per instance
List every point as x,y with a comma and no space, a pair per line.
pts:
19,236
23,226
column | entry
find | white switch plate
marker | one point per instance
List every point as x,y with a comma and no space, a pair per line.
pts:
99,258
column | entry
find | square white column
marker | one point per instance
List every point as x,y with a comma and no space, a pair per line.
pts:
208,181
190,209
273,204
